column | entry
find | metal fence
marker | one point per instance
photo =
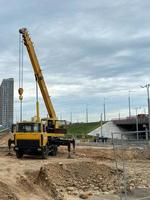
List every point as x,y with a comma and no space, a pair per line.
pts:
124,142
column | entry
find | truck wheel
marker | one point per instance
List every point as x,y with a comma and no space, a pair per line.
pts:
19,154
54,151
44,153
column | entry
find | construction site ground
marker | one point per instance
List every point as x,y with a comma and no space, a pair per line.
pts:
90,174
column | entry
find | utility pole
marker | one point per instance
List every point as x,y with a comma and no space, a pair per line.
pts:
86,114
104,106
145,111
101,123
129,104
119,116
61,116
129,101
148,103
137,124
71,117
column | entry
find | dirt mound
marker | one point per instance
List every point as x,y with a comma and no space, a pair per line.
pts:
4,137
6,192
108,154
59,179
91,172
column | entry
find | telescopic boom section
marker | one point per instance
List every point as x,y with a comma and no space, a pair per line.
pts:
38,73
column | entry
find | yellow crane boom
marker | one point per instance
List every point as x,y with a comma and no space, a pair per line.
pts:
38,73
43,136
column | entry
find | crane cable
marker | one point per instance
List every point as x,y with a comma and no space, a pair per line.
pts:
20,90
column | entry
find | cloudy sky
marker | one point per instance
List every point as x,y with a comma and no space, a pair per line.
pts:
88,51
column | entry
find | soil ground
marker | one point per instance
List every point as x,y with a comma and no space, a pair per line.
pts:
90,174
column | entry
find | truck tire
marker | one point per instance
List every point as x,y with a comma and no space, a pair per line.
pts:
44,153
54,151
19,154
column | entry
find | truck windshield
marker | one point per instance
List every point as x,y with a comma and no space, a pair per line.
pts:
28,127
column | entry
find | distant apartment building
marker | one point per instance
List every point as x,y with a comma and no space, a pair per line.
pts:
7,102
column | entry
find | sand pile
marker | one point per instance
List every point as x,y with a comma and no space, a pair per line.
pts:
108,154
59,179
4,137
6,192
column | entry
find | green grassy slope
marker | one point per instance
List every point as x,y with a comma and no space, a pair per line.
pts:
81,129
1,129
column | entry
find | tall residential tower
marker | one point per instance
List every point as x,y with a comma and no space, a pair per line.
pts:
7,102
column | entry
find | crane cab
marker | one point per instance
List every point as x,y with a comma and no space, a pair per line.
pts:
55,128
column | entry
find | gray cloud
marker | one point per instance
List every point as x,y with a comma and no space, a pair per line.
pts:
87,50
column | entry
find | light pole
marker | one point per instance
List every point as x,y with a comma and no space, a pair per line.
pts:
86,114
119,116
71,117
137,124
61,116
129,104
148,103
129,101
101,123
104,111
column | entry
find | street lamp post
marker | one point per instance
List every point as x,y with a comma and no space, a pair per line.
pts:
148,103
129,101
87,114
137,124
104,110
71,117
129,104
119,116
101,123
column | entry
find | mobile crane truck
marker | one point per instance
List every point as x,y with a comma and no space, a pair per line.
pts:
43,136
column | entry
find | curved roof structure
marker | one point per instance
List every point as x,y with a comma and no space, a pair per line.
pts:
106,131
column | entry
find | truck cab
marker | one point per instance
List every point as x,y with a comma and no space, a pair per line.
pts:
30,138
